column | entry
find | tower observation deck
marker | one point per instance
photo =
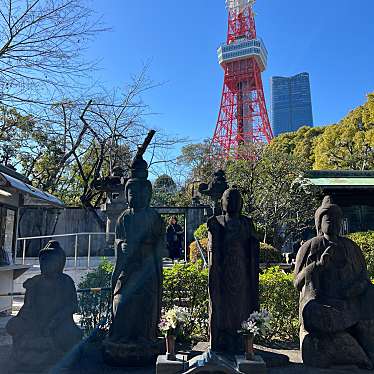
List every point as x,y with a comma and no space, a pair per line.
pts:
243,118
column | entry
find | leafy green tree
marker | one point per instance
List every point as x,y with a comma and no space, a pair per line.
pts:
281,203
346,145
164,191
196,158
300,143
164,183
15,129
350,143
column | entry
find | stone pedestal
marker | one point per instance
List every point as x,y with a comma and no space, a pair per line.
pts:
166,366
211,362
131,354
255,366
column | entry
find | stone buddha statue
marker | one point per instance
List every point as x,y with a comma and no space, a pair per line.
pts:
137,277
233,252
336,296
44,328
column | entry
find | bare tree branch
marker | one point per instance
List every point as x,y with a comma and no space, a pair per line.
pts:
40,47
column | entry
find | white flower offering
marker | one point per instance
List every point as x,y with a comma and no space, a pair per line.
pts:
258,323
172,320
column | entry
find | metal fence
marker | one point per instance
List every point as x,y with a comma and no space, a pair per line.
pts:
24,240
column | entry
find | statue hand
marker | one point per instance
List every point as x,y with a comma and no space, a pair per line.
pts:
326,258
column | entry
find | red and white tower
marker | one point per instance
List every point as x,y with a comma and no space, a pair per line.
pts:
243,118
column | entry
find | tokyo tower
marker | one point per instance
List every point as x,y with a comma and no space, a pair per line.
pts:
243,118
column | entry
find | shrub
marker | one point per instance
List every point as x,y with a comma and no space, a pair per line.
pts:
95,307
365,240
184,285
187,286
269,254
201,232
279,296
194,250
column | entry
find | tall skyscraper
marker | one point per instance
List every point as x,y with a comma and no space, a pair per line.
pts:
291,103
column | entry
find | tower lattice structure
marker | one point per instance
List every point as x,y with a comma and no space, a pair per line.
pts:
243,117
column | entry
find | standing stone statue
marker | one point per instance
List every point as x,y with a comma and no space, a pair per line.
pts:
137,277
233,251
44,328
336,296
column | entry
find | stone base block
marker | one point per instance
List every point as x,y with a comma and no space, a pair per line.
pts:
212,363
324,351
34,355
255,366
138,354
166,366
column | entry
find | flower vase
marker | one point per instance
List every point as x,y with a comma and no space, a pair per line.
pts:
248,344
170,347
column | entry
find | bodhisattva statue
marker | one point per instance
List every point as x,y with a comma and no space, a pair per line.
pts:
233,273
44,329
137,277
336,296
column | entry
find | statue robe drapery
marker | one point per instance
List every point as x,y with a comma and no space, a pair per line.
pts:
137,277
233,279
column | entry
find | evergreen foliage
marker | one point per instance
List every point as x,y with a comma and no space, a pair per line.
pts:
348,144
95,308
187,286
365,240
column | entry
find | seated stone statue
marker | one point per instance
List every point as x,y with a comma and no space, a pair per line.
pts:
336,296
44,328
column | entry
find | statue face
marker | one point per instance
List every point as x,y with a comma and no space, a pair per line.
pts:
330,224
231,202
50,264
137,196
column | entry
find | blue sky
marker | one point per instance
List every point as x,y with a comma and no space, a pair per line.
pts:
333,40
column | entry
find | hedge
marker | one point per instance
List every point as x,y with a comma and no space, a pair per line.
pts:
279,296
194,252
201,232
365,240
268,254
187,286
95,308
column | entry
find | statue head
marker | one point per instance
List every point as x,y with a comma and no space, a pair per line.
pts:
52,258
328,217
232,202
138,188
138,193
